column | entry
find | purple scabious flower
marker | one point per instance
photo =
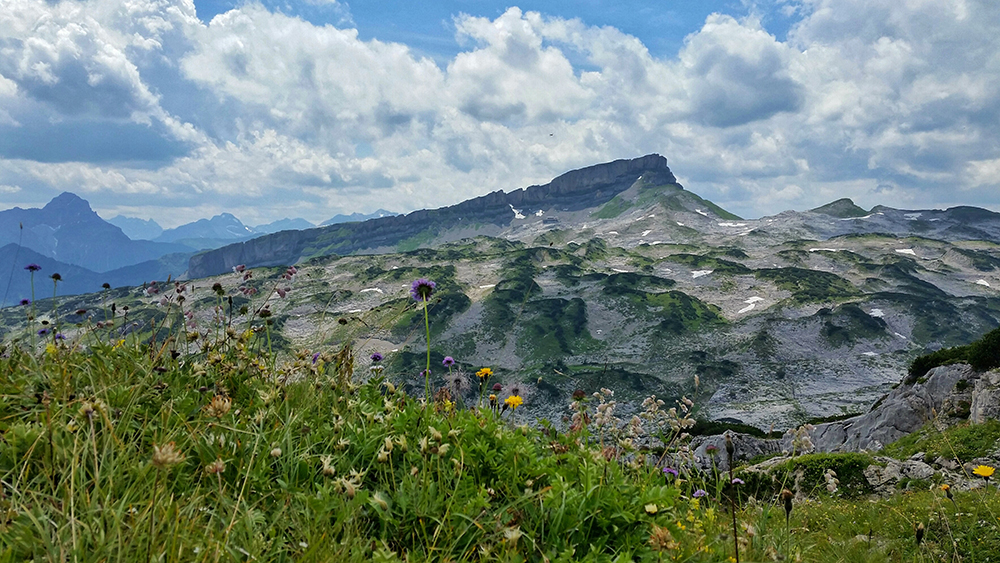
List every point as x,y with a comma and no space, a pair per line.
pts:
425,373
376,357
670,471
60,336
32,267
422,289
25,302
448,361
315,357
738,481
699,493
43,331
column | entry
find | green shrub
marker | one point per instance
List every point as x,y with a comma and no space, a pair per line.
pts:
984,354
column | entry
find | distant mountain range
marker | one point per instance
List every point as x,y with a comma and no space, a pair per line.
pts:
357,217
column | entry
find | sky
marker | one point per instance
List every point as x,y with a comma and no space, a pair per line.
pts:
177,110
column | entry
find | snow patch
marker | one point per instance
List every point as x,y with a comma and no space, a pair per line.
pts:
487,286
877,313
619,271
825,249
612,232
539,213
754,299
983,282
680,224
900,335
375,289
746,309
646,233
906,251
517,212
700,273
354,311
913,216
732,224
656,242
869,354
700,212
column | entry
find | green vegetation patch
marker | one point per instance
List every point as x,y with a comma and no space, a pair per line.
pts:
613,208
809,286
719,265
962,443
848,324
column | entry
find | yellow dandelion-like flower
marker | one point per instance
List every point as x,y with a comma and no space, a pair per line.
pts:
984,471
513,401
484,373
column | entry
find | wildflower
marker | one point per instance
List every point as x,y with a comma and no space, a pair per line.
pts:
32,267
56,277
25,302
670,471
920,533
443,449
512,534
650,508
513,401
579,395
328,469
216,467
497,387
738,481
219,406
984,471
60,336
448,361
422,289
43,332
434,433
106,285
376,357
484,373
379,500
239,268
166,456
315,358
276,452
699,493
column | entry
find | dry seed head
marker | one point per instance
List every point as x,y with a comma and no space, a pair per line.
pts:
166,456
216,467
219,406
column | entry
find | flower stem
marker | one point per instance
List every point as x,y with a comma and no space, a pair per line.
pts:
427,373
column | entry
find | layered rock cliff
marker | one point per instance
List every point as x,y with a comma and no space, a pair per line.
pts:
574,190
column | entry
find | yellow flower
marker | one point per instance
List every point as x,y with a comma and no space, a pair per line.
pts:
945,487
484,373
651,508
513,401
984,471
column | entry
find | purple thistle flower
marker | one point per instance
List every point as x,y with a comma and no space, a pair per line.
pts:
699,493
376,357
32,267
670,471
497,387
315,358
56,277
448,361
25,302
422,289
738,481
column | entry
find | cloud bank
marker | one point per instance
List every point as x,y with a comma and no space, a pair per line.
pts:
147,111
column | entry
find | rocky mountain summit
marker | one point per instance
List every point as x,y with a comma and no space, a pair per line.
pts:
489,214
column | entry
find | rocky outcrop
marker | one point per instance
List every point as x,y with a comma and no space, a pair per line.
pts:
946,394
572,191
